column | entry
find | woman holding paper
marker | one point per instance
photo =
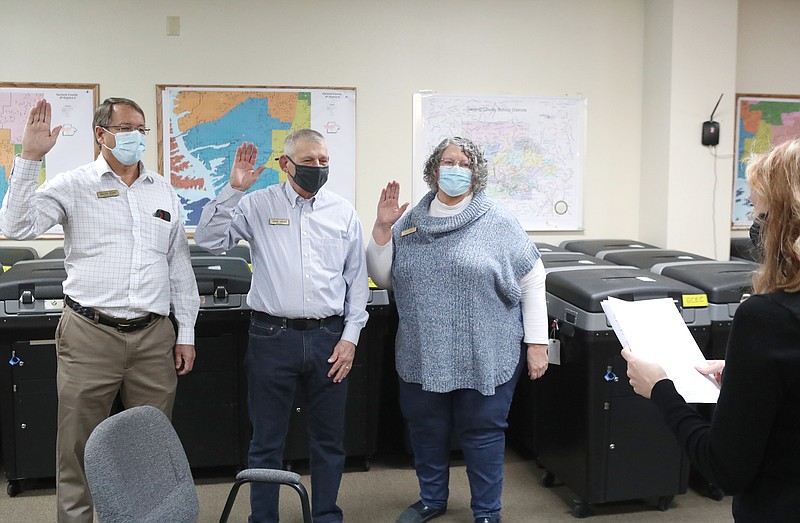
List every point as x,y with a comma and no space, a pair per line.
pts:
469,288
751,448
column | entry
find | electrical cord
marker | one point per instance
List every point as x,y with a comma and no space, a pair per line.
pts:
714,204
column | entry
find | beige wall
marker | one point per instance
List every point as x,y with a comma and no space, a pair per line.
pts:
686,191
388,51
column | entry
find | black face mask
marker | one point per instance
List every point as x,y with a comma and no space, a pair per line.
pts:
756,232
309,178
756,229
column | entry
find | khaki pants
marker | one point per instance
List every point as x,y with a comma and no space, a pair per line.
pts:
94,363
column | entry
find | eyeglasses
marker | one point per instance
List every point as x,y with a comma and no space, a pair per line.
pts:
127,129
447,162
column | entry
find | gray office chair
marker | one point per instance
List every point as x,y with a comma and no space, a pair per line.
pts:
138,472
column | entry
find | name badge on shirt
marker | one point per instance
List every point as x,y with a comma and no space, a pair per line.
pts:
412,230
279,221
107,194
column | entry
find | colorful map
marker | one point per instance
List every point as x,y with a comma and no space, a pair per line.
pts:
73,108
761,123
204,126
534,146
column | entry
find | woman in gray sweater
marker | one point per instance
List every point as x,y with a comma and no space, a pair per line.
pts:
469,288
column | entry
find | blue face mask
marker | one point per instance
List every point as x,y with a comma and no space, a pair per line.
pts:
130,147
455,180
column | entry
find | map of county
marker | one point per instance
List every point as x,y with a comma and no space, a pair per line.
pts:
14,109
534,147
762,123
206,125
71,107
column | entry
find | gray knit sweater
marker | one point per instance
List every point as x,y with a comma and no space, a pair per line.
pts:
456,284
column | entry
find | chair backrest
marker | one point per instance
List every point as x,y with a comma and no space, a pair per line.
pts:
137,470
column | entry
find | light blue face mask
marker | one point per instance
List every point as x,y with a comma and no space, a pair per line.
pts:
130,147
455,180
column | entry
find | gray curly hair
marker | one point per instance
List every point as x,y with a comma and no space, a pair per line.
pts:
478,164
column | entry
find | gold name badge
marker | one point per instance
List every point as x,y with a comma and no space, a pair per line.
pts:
279,221
412,230
107,194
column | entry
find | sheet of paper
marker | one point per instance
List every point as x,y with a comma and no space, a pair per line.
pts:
654,330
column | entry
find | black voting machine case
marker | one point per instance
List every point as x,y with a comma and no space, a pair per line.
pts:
208,407
593,247
725,283
210,401
594,433
363,395
646,258
210,412
32,300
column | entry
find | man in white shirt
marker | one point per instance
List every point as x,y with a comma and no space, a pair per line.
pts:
309,297
128,266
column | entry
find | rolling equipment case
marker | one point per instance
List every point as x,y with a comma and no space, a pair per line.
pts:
363,395
592,247
593,432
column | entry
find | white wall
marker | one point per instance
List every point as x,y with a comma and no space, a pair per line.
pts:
768,49
388,51
685,196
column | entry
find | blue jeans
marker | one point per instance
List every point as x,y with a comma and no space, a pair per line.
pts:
479,423
276,360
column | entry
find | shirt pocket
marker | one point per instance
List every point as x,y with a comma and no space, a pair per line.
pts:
332,255
156,234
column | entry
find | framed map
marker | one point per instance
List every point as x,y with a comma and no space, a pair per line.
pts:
535,147
762,122
73,107
200,127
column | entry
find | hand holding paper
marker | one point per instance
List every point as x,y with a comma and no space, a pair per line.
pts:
654,331
643,374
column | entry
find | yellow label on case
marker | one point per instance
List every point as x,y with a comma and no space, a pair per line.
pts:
695,300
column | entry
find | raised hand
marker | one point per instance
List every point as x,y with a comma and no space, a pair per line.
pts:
38,138
389,208
243,173
389,211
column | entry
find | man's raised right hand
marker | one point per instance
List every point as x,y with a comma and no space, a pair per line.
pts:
38,138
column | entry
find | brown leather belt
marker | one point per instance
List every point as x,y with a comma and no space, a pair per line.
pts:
121,324
300,324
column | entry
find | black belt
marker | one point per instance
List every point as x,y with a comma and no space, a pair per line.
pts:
121,324
300,324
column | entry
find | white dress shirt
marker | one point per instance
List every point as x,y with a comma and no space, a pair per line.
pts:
308,255
120,258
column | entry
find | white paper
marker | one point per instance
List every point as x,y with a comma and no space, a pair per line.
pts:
654,330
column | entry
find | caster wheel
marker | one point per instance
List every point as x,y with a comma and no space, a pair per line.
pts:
548,479
716,493
14,487
288,466
664,502
367,464
580,509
